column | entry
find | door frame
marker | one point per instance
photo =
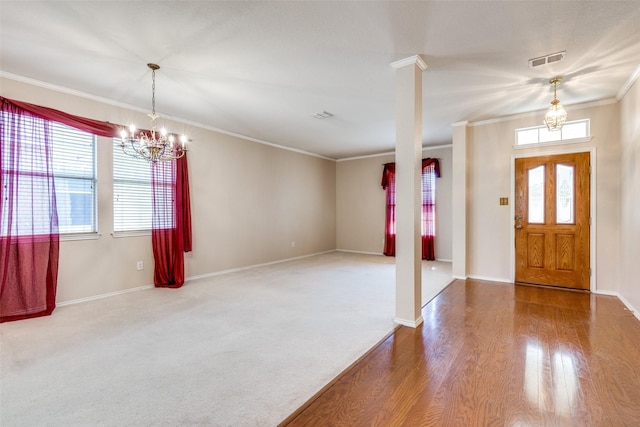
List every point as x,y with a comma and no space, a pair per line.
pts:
592,206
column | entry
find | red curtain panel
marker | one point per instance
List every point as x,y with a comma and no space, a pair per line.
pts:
29,239
171,221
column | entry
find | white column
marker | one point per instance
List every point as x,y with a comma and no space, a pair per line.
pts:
408,190
459,200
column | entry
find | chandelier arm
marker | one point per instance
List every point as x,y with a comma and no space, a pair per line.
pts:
133,154
138,153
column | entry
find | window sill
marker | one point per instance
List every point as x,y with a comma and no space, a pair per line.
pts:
79,236
561,142
136,233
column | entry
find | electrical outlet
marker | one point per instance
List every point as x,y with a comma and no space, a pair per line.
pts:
139,265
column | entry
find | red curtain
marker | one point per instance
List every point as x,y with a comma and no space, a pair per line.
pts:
171,221
95,127
430,170
29,239
389,184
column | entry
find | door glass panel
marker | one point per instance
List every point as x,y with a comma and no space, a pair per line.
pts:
536,195
565,199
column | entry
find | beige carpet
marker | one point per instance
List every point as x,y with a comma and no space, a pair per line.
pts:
240,349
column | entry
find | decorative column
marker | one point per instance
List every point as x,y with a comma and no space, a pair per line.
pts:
408,190
459,200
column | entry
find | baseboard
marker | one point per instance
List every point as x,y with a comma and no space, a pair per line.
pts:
622,299
107,295
187,279
359,252
490,279
249,267
455,276
409,323
379,253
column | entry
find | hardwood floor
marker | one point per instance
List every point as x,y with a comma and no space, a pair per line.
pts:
492,354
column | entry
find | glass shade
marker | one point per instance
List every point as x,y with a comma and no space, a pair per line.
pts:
556,116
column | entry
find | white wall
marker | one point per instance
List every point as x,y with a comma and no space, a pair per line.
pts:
630,198
249,201
491,151
360,204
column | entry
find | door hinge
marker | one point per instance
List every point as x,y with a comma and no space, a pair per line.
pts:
589,272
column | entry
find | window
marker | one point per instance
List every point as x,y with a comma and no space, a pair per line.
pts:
573,131
132,198
565,199
74,170
430,171
73,163
536,195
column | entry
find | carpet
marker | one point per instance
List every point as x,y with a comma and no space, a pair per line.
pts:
240,349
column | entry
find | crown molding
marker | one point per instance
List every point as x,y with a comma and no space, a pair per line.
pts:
62,89
391,153
412,60
541,112
458,124
628,84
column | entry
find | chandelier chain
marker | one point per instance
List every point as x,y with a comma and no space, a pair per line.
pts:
153,92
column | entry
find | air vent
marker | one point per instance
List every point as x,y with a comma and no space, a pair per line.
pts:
547,59
322,115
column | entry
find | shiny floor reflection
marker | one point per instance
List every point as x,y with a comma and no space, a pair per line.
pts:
494,354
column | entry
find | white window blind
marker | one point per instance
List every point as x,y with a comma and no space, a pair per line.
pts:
132,197
74,169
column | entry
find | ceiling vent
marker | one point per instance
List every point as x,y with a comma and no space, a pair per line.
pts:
547,59
322,115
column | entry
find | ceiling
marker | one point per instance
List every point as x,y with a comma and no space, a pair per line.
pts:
261,69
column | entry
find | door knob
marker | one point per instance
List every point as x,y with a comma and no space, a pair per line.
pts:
518,227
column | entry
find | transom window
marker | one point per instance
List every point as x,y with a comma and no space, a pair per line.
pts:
573,131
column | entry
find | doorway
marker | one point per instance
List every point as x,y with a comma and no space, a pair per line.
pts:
552,220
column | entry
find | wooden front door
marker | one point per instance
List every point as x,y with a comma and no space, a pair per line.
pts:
552,220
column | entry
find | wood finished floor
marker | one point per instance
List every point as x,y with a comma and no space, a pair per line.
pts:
491,354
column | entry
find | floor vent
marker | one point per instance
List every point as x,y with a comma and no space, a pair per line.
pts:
547,59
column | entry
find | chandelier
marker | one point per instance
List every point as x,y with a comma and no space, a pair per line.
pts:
151,145
556,114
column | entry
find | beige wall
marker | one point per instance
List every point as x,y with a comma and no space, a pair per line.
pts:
360,203
491,153
258,199
249,203
630,198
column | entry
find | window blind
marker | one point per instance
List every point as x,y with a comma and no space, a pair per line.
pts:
74,169
132,196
